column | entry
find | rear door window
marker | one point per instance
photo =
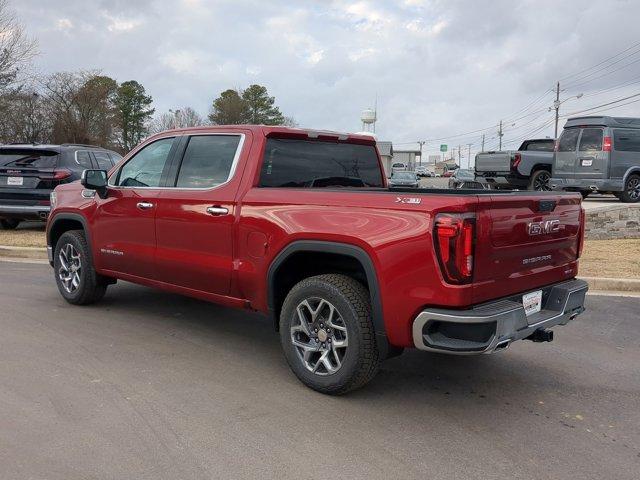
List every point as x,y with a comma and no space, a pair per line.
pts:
208,161
591,140
316,164
103,160
568,140
83,158
626,140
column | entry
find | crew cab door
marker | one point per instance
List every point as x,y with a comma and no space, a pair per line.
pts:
196,213
123,228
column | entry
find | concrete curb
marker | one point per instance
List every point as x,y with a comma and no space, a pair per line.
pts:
23,252
600,284
613,284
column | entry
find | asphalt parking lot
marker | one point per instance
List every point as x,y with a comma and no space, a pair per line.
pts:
148,385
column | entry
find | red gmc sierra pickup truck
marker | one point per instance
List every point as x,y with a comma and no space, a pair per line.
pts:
301,225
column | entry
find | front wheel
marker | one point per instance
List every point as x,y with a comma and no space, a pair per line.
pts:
327,334
631,192
540,181
76,278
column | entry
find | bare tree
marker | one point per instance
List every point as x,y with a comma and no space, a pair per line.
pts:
81,107
29,121
181,118
16,48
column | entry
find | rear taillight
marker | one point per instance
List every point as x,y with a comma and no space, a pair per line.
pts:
61,174
454,238
581,232
517,158
556,144
606,145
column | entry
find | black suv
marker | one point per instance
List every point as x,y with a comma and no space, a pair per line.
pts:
28,174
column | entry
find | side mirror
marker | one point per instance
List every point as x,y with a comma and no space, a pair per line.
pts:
95,180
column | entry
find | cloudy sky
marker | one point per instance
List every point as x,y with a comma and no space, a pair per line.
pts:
439,68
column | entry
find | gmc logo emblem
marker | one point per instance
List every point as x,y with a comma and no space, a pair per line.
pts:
541,228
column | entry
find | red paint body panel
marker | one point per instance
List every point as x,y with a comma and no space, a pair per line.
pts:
179,247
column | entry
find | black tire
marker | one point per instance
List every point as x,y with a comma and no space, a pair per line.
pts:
91,286
539,181
9,223
585,193
631,192
351,300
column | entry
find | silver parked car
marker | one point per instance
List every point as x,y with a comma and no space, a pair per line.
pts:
466,179
599,154
404,179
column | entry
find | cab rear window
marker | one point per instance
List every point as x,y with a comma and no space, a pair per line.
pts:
315,164
28,158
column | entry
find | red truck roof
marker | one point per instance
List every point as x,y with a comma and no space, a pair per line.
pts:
282,132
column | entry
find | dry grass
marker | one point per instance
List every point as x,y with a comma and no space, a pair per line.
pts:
27,235
611,258
601,258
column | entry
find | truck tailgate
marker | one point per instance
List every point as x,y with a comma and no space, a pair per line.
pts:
493,162
524,242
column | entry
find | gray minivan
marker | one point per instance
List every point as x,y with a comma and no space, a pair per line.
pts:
599,154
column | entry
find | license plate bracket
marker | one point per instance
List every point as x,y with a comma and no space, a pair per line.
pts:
15,181
532,302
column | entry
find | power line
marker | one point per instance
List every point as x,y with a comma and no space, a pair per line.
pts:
605,68
603,75
603,105
602,62
612,108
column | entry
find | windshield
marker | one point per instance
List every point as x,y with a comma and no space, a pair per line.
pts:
465,174
404,176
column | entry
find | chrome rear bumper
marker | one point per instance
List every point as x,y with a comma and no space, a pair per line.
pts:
492,326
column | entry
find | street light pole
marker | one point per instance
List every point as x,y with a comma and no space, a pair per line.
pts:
557,102
556,105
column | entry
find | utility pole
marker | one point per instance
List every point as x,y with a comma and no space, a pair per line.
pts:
469,155
421,143
556,105
500,134
459,155
482,143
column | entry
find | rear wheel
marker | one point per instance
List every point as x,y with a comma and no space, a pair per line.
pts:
540,181
327,335
631,192
9,223
76,278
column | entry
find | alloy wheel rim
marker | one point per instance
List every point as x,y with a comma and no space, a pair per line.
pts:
319,336
633,188
542,182
70,268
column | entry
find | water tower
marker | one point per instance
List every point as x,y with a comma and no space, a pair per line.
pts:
369,117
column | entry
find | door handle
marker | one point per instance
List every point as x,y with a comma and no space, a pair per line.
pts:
144,205
217,210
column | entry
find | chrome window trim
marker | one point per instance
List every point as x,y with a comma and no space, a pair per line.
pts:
75,157
232,171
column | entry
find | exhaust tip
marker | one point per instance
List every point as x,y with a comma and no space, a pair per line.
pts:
503,345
